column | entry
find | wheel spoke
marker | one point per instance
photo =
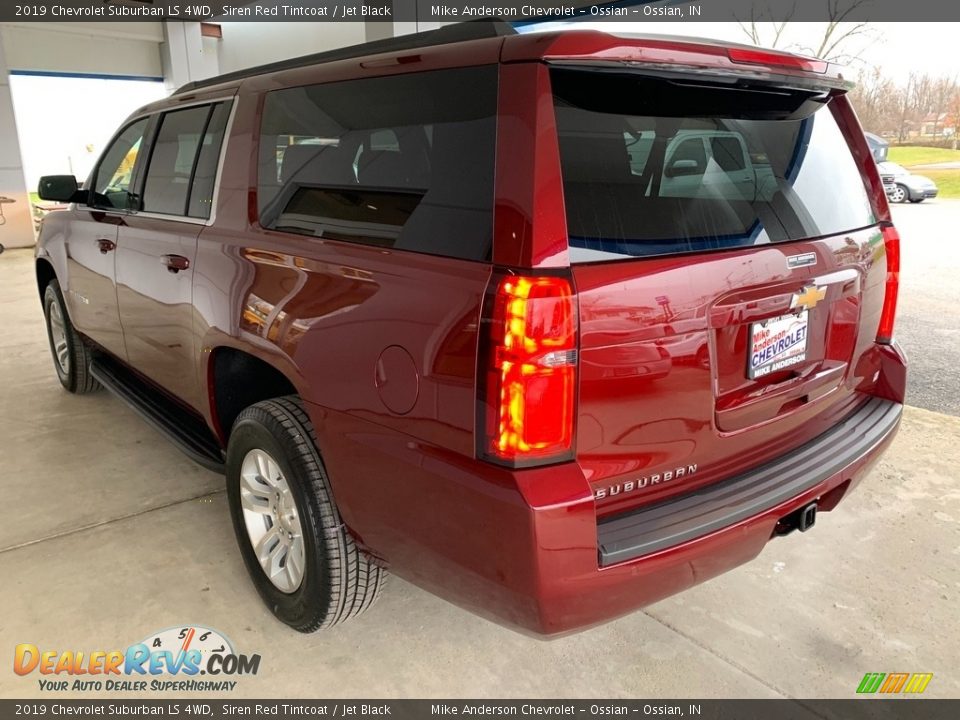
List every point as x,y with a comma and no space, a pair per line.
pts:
294,562
264,549
274,560
254,501
273,474
267,469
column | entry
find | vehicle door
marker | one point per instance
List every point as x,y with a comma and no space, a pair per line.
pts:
157,246
91,242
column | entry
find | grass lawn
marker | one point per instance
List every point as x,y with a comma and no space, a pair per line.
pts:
908,155
947,180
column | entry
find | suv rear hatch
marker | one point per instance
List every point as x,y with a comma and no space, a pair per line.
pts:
724,251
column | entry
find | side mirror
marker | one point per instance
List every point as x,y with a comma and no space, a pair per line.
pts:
683,167
60,188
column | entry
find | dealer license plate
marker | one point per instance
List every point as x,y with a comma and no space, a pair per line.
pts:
776,344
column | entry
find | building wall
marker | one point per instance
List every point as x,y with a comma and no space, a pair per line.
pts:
246,44
102,48
16,223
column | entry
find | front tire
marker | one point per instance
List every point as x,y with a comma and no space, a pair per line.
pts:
71,357
900,194
302,560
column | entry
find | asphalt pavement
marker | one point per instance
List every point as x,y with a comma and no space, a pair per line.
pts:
928,318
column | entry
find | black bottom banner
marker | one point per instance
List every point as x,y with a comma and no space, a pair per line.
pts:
864,708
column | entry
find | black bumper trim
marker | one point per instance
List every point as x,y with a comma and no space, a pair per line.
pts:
652,528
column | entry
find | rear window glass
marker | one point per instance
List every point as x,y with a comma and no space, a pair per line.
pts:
655,167
403,162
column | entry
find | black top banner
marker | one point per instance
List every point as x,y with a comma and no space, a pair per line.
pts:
643,11
865,709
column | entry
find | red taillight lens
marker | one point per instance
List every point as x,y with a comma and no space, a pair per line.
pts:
531,372
749,56
891,243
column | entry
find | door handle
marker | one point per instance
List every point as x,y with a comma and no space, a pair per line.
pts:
175,263
106,245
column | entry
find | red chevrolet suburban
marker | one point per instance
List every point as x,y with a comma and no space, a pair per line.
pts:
552,325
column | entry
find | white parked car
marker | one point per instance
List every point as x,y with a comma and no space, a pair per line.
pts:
907,186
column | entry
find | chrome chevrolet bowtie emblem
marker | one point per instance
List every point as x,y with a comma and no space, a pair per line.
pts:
808,297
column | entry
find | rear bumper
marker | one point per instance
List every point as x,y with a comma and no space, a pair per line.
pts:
649,529
649,555
524,548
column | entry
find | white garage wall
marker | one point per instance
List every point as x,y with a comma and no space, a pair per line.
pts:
246,44
130,49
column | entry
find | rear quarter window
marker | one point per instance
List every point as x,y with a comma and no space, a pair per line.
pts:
402,162
653,166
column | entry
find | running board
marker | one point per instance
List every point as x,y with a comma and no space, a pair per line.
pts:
187,431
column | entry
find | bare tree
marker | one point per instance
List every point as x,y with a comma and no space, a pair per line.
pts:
839,35
766,33
872,98
912,102
942,91
839,32
954,111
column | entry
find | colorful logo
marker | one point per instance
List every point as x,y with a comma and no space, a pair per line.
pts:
184,652
914,683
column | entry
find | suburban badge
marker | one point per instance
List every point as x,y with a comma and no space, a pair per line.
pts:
641,482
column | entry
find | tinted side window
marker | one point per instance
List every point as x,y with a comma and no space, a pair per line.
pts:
171,160
204,176
114,176
401,162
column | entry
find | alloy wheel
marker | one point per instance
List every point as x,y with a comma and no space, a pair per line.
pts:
272,520
58,337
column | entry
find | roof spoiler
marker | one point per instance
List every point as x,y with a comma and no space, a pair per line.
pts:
479,29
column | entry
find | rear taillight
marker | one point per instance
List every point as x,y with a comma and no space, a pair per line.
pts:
891,243
529,389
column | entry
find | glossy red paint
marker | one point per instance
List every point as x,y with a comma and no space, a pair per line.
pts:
653,50
529,229
518,546
649,422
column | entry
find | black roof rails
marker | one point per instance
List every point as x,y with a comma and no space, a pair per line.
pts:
457,32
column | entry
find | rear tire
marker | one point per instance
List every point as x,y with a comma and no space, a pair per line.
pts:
71,357
703,358
277,487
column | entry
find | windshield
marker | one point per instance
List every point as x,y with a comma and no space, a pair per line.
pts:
654,167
